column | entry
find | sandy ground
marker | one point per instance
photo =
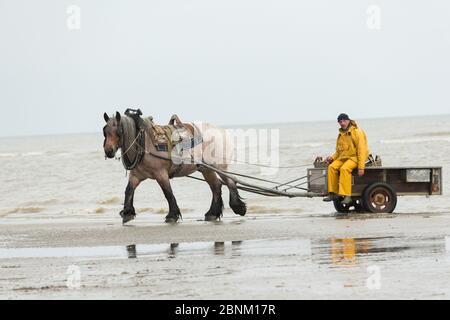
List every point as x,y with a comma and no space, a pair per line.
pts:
260,257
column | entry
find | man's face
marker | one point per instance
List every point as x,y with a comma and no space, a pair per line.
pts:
344,124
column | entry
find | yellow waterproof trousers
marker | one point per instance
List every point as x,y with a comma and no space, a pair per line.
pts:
341,185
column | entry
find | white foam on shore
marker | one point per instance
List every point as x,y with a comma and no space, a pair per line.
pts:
8,154
416,140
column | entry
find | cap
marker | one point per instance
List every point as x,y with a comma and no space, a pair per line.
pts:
343,116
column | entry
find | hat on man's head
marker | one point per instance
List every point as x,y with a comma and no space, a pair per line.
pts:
343,116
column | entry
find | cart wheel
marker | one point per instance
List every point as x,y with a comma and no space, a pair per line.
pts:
341,208
380,198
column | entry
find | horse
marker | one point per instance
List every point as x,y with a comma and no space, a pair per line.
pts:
122,132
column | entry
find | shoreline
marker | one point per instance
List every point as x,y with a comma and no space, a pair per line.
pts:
262,257
109,230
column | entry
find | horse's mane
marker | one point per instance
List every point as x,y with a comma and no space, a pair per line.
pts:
128,136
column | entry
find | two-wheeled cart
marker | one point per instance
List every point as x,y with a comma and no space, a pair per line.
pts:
377,190
374,192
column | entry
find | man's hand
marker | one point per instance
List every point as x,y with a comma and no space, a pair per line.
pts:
360,172
329,159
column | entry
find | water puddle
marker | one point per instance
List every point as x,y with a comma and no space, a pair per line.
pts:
333,251
172,250
352,251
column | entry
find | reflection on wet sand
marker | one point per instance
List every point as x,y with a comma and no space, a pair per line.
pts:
348,251
219,248
173,250
133,254
334,251
131,251
343,251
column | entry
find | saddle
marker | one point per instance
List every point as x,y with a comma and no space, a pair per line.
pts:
175,135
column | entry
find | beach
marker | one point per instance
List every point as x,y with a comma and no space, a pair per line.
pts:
61,235
270,257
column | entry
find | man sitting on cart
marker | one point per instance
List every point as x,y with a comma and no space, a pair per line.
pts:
351,152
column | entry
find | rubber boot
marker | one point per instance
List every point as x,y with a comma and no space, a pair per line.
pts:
347,200
331,197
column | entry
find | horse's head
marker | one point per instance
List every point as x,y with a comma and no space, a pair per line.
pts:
113,135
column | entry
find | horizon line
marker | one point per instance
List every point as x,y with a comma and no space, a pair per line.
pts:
230,125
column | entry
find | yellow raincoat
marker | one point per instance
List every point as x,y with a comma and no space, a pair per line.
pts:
351,152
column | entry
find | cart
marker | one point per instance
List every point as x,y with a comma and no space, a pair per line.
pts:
374,192
377,190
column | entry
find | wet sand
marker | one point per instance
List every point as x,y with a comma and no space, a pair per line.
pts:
255,257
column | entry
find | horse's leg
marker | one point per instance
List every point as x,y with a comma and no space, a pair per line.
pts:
237,205
174,212
128,212
216,209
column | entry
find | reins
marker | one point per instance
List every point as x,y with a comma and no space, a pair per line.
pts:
141,131
139,141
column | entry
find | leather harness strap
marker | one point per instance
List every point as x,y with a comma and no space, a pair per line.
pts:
159,133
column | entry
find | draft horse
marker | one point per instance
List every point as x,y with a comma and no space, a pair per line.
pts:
147,160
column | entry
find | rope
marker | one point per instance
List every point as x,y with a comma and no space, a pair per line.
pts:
297,185
279,184
238,174
245,186
268,166
261,188
248,189
234,160
132,144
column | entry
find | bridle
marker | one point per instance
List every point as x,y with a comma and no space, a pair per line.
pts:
119,134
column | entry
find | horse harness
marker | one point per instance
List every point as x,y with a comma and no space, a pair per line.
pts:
162,137
139,140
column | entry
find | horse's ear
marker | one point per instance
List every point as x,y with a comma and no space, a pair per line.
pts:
117,116
106,117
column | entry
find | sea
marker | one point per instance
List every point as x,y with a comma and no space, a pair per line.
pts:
55,178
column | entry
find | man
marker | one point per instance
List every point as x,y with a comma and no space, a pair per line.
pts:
351,152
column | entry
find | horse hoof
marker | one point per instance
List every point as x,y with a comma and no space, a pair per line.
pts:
128,217
171,219
127,211
240,209
211,217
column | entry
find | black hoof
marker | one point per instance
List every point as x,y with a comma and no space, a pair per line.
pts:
211,217
240,209
128,217
127,211
171,219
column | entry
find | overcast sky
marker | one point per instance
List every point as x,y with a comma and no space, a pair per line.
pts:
221,61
